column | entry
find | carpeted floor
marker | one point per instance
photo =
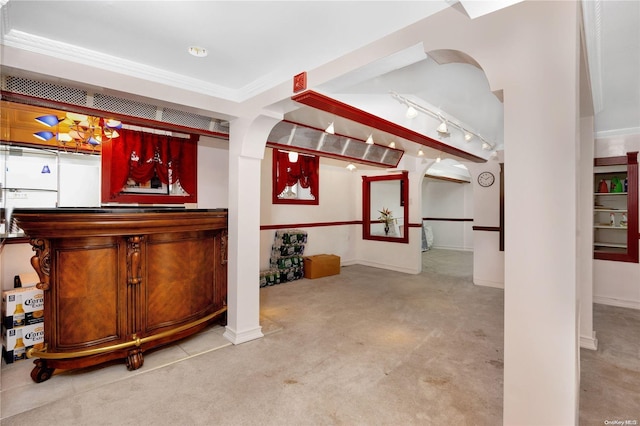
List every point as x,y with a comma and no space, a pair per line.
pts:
366,347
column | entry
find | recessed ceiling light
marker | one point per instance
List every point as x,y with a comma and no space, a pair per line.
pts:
200,52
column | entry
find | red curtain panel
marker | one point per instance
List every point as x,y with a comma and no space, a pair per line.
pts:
305,171
140,155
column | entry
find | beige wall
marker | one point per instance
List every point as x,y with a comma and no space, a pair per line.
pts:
616,283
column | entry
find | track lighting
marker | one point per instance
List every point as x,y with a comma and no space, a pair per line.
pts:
370,139
445,125
293,156
351,167
443,129
420,153
330,129
392,144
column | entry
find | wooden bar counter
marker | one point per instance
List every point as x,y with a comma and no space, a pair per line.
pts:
120,281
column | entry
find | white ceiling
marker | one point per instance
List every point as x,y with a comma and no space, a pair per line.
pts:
255,46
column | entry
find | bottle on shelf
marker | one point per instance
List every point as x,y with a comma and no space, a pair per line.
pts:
603,186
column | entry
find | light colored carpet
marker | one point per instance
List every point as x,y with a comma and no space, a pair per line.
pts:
366,347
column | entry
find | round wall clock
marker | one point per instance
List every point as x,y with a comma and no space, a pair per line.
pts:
486,179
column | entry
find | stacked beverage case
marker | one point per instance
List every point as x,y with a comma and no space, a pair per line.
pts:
286,263
22,322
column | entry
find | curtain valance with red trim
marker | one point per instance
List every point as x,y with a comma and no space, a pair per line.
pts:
304,171
141,156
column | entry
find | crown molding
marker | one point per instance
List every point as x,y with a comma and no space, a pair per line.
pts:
72,53
617,132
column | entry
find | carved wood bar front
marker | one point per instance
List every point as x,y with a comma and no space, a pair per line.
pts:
118,282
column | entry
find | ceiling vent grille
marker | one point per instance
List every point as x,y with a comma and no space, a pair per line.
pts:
39,89
193,120
124,106
70,96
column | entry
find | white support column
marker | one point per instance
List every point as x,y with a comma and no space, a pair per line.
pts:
585,233
247,141
541,348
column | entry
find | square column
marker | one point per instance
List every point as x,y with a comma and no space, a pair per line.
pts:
247,142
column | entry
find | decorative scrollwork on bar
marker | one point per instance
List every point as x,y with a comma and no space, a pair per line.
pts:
133,260
224,238
41,261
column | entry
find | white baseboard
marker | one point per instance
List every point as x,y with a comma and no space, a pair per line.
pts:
612,301
589,342
487,283
242,337
452,248
388,267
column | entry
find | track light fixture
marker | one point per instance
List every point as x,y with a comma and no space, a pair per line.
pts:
330,129
445,125
392,144
443,129
420,153
370,139
351,167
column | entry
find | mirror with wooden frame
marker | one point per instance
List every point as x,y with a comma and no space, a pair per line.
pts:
385,207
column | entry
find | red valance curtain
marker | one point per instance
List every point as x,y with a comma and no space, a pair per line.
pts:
304,171
140,155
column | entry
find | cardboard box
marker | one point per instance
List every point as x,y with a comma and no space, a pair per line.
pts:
321,265
22,306
17,341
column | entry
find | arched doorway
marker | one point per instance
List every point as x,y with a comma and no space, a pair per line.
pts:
447,216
